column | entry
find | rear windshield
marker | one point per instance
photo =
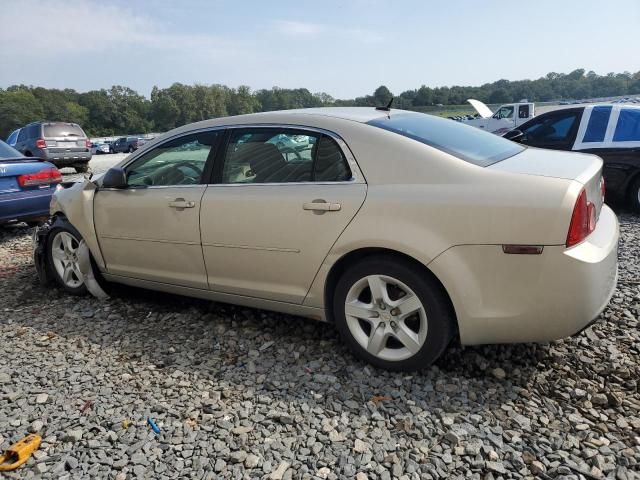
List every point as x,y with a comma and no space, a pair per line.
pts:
62,130
8,152
463,141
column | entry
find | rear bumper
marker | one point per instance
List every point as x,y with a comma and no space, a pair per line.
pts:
25,205
502,298
63,159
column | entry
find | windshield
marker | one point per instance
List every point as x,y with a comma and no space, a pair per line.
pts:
8,152
62,130
463,141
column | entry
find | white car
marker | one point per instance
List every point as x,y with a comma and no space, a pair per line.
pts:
98,148
404,230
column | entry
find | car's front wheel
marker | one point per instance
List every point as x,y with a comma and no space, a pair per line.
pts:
393,314
62,257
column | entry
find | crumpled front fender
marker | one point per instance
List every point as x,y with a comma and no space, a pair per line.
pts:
76,204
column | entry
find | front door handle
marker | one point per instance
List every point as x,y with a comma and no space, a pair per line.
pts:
181,203
322,206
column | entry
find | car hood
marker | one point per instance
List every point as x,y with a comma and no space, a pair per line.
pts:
481,108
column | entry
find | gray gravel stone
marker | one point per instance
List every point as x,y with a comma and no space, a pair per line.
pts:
242,393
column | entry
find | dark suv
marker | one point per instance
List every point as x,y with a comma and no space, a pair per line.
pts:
63,144
126,145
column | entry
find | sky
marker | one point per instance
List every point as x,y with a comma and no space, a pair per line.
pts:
344,48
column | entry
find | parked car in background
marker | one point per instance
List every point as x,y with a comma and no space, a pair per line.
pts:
403,229
63,144
126,145
98,148
610,131
505,118
26,186
13,138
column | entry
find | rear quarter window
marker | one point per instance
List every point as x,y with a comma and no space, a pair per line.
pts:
628,126
463,141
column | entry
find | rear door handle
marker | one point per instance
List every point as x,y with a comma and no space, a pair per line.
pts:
181,203
322,206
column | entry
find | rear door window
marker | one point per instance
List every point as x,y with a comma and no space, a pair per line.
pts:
271,155
52,130
597,126
628,126
554,128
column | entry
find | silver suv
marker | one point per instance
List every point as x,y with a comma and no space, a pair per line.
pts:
63,144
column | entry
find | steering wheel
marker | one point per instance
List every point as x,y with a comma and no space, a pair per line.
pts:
172,175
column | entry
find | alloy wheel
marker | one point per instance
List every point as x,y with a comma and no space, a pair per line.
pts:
64,253
386,317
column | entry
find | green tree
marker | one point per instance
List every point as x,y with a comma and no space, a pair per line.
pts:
382,95
17,108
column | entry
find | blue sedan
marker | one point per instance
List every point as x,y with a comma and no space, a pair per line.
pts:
26,186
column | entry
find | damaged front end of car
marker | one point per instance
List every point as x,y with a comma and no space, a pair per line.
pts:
72,202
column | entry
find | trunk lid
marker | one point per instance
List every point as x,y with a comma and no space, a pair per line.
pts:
10,169
583,168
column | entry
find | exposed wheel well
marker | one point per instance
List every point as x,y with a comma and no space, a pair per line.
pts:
355,256
631,183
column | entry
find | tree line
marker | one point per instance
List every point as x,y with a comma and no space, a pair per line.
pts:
121,110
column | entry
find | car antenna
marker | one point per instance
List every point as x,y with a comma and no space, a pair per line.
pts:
387,107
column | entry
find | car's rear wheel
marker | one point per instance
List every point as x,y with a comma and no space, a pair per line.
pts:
62,258
634,195
392,314
130,149
84,168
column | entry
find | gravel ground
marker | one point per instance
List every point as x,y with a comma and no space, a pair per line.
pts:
241,393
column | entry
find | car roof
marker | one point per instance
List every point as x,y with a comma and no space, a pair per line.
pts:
312,117
356,114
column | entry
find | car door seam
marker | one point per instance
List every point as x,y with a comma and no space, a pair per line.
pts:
366,191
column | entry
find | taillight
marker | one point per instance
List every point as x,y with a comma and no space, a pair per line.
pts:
40,143
87,143
43,177
602,188
583,220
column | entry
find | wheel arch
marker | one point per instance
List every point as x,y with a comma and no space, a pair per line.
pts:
354,256
631,181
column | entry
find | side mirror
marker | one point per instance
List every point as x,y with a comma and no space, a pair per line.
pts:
514,135
115,177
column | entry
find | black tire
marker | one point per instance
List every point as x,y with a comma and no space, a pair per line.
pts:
62,225
439,312
81,168
634,195
131,149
